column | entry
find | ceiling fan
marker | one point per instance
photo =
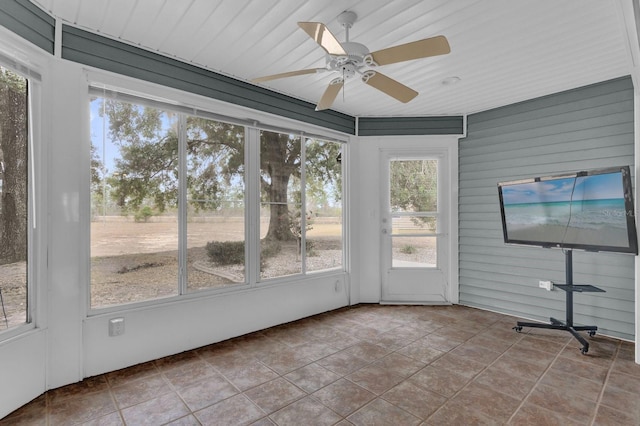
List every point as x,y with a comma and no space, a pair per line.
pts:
350,59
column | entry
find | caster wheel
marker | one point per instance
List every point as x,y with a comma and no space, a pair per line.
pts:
517,328
592,333
583,351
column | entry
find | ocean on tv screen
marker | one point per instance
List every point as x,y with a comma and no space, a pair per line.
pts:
585,210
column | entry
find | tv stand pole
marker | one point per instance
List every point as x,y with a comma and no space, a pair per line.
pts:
569,288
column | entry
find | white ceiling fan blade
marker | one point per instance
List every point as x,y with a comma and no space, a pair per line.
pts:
321,35
389,86
288,74
433,46
330,94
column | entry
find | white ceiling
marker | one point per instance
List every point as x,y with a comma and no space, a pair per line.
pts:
504,51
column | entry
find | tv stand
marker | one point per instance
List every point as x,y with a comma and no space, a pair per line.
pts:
569,288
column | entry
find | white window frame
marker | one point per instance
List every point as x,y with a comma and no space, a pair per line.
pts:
26,60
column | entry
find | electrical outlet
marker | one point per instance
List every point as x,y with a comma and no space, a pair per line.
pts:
547,285
116,326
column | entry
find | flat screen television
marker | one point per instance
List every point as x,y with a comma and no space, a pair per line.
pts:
589,210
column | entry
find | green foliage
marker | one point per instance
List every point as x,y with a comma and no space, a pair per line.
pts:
232,252
226,252
13,81
143,214
408,249
311,251
324,172
414,188
146,165
295,222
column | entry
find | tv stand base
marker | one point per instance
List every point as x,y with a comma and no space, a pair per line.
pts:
560,325
569,288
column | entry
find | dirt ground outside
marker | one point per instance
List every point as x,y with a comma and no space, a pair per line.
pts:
139,261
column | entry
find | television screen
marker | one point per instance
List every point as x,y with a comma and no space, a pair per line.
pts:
589,210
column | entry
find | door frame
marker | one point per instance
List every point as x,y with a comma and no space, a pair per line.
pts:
430,146
414,284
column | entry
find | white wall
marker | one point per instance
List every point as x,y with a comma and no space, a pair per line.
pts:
161,330
65,292
22,368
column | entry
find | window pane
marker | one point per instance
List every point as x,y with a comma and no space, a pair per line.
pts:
215,210
280,204
279,257
13,199
324,205
134,185
414,252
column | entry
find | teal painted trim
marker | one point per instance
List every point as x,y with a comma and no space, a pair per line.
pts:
397,126
29,22
100,52
622,86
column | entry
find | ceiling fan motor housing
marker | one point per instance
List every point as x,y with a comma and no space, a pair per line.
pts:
352,62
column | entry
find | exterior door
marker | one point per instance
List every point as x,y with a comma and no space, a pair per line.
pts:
414,246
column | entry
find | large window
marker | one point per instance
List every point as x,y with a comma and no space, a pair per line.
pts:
301,225
169,202
14,199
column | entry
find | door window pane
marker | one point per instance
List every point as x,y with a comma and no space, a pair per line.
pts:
134,200
413,225
413,252
13,199
413,200
414,185
215,207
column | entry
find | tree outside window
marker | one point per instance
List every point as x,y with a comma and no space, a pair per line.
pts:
136,186
13,199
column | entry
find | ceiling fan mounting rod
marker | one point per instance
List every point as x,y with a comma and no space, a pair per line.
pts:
347,19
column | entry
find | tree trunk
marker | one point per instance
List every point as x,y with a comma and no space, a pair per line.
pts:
275,151
13,177
279,208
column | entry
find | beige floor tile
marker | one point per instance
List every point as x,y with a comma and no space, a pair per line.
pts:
366,365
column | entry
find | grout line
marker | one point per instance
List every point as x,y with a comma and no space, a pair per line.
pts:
472,379
606,381
362,321
524,400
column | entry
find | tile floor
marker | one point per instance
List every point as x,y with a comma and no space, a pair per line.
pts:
366,365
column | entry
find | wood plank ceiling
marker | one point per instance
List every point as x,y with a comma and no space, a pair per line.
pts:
503,51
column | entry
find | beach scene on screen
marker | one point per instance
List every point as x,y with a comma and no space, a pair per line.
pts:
585,210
